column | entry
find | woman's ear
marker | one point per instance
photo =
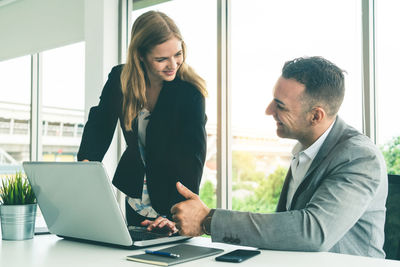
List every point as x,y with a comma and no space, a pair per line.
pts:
141,57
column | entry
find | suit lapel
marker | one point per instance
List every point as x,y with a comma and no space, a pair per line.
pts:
331,140
283,196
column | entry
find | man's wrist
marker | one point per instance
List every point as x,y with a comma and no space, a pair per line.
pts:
206,224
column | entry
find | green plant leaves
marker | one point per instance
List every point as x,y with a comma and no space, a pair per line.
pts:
391,152
16,190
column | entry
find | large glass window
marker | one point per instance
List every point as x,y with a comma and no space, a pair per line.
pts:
197,21
265,34
387,86
15,99
63,101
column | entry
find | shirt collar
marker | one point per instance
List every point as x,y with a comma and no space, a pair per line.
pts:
312,150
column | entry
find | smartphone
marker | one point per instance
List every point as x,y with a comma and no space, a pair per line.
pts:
238,255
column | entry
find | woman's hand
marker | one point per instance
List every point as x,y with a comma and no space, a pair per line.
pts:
160,224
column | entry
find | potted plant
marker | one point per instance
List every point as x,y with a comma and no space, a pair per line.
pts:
17,209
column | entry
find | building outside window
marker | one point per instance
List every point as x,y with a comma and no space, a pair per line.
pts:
63,101
15,99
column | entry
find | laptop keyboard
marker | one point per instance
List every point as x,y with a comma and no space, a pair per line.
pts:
140,233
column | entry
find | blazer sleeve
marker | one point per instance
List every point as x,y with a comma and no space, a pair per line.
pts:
345,193
102,120
191,145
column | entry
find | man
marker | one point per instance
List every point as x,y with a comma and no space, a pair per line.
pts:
333,198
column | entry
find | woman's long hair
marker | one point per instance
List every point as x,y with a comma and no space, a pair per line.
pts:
150,29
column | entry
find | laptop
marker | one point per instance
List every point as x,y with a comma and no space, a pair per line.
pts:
78,202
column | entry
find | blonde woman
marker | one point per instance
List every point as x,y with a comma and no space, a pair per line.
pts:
159,101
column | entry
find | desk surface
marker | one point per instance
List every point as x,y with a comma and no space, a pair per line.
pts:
50,251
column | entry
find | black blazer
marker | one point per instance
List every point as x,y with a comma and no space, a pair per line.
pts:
175,141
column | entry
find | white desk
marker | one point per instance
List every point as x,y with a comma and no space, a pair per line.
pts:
51,251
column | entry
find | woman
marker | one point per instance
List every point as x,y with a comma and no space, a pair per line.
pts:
159,101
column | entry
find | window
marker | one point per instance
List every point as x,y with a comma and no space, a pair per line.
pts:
5,126
201,42
15,99
265,34
387,86
63,101
62,108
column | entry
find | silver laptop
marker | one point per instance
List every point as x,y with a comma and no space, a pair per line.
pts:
78,202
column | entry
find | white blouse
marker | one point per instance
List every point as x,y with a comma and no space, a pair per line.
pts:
143,205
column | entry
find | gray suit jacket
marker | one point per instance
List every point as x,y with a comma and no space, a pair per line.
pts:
339,207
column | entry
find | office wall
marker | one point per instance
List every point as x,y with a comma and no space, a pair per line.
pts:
31,26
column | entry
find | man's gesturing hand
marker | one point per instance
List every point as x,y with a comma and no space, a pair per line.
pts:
189,214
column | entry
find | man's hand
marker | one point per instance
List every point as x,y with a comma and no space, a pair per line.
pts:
189,214
160,224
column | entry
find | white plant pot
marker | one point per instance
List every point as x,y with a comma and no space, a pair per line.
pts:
18,221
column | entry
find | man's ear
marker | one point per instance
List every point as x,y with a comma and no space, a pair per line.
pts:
317,115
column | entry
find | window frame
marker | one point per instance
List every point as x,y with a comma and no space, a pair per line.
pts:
224,151
224,127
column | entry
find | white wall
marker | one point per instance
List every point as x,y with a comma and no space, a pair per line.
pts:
31,26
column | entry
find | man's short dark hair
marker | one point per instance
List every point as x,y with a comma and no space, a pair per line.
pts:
323,81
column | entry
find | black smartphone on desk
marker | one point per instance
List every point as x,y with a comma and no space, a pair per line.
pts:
238,255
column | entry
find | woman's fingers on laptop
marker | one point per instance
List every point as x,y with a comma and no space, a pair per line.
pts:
160,224
167,224
149,224
146,223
